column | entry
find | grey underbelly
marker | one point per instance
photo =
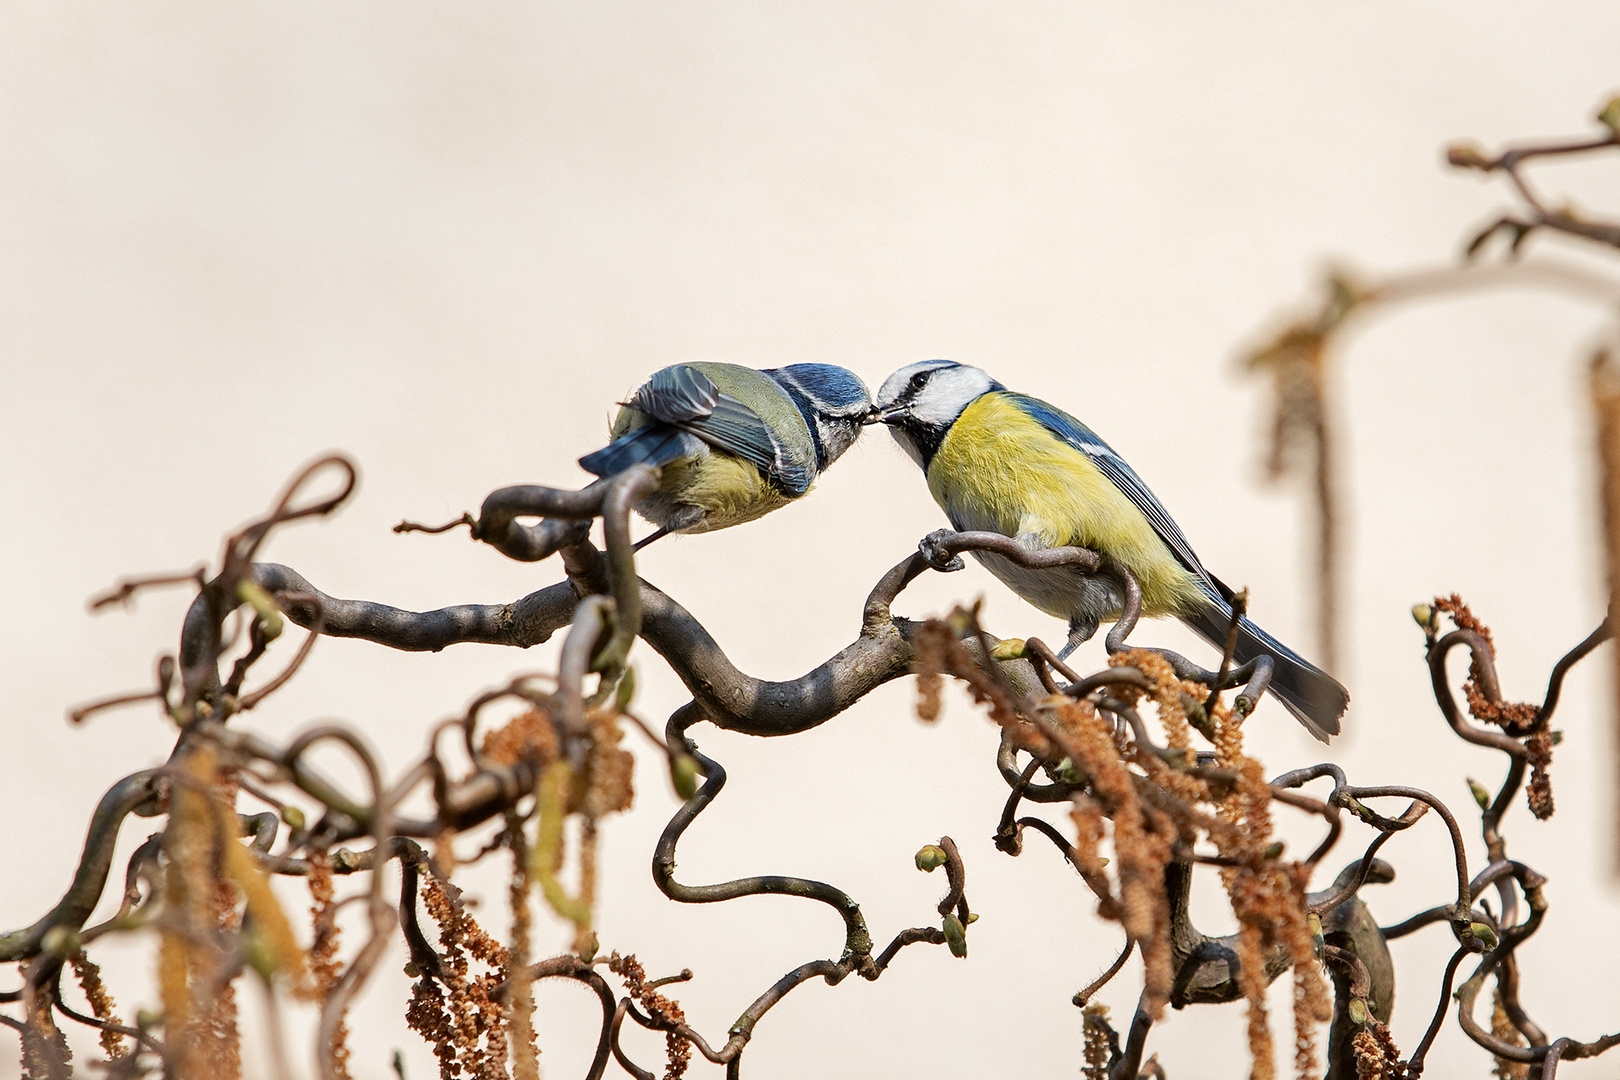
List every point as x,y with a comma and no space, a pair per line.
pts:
1065,592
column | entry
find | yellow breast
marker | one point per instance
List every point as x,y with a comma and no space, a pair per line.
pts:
999,469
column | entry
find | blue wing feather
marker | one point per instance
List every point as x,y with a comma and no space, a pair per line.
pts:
1121,475
736,428
687,400
1313,696
655,444
676,394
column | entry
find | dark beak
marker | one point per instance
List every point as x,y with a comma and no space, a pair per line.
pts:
875,415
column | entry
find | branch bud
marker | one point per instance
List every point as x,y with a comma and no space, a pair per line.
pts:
683,773
1008,649
1423,614
588,945
1466,156
955,936
626,690
61,941
251,594
1358,1011
1481,795
930,857
259,952
1609,115
1483,934
293,816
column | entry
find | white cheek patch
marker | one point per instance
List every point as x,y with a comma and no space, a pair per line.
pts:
896,384
947,393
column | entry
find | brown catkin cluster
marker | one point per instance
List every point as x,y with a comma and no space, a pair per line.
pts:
657,1006
426,1015
1376,1055
529,736
1156,805
1502,1027
324,968
45,1051
217,1046
101,1002
1144,838
608,786
205,880
1268,898
1090,828
1515,718
520,997
939,650
456,1025
1100,1042
1538,793
933,642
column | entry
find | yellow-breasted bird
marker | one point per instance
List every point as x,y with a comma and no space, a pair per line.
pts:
1012,464
733,443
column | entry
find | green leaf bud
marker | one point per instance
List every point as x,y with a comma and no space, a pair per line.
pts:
259,953
61,941
683,773
1466,156
1008,649
1609,115
254,596
930,857
626,690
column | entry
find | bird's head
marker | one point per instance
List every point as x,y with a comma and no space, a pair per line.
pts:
834,402
920,402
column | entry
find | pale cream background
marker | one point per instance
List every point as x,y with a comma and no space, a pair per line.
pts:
445,238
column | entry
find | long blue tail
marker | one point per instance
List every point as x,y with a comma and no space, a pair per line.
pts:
655,444
1314,697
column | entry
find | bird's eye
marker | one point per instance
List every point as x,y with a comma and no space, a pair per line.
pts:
917,380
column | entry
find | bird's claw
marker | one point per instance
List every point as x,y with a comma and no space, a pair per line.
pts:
932,548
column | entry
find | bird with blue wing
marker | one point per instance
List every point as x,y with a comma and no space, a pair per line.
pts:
732,443
1012,464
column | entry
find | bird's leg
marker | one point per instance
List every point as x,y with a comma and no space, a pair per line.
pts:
1081,630
644,541
685,518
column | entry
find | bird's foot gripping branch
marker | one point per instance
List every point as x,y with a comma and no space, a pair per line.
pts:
1116,749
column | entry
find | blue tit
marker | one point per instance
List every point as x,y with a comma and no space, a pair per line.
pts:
732,443
1011,464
